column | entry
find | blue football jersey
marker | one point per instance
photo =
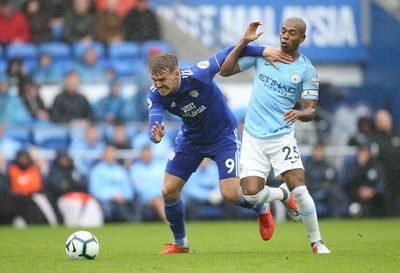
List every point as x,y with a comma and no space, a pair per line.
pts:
276,91
198,101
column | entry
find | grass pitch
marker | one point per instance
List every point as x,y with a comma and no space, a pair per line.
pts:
357,246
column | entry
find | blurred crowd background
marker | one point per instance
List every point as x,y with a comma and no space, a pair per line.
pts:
74,148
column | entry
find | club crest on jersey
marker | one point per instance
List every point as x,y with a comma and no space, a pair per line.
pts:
203,64
149,103
194,93
295,78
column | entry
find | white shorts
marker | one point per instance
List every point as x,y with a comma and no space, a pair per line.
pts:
258,156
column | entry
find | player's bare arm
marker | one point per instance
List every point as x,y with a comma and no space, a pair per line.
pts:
230,66
158,131
305,115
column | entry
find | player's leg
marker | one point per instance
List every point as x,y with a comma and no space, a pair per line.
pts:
182,162
287,163
226,154
295,182
227,161
230,191
175,212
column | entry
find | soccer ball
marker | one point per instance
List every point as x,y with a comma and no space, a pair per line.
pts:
82,245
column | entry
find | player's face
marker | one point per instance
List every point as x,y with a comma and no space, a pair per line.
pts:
166,82
291,36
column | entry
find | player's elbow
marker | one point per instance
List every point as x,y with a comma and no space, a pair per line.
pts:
223,73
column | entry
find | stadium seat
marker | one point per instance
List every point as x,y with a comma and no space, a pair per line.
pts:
126,67
30,65
23,51
3,66
79,48
162,45
66,65
50,137
21,134
124,50
58,50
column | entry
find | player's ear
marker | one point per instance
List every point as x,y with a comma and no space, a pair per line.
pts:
177,73
303,37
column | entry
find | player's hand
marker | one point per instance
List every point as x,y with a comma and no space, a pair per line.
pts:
291,116
273,55
251,32
158,131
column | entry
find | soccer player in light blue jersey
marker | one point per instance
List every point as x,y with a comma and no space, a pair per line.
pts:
268,139
209,129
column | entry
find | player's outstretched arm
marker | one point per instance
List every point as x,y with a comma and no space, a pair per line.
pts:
230,66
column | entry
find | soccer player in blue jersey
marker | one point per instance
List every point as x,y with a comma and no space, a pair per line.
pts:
209,129
268,139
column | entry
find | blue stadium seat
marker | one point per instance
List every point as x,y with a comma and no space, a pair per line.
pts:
23,51
162,45
58,50
21,134
30,65
126,67
65,65
124,50
3,66
51,137
79,48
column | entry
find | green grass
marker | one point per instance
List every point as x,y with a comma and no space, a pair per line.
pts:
357,246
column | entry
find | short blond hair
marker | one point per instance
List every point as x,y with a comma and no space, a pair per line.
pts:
163,62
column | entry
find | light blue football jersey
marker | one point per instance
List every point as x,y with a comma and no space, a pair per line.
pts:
275,91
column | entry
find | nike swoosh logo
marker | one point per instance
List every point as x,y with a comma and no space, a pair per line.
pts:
73,247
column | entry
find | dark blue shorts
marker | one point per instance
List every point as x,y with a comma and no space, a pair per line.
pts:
186,157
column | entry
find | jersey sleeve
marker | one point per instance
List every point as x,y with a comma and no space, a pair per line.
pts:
310,84
156,111
246,62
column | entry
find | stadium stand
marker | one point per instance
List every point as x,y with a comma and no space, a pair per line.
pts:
51,137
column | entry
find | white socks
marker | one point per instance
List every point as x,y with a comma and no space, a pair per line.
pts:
307,212
266,195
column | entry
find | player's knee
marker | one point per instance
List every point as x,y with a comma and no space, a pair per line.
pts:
230,197
169,194
230,190
252,185
258,198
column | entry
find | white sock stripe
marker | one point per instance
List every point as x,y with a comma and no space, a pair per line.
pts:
307,212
